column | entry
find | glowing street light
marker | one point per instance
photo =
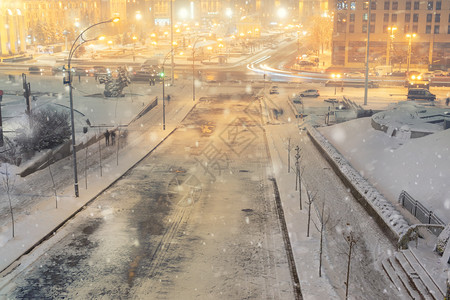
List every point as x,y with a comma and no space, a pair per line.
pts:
69,82
229,12
183,13
335,77
410,37
390,42
138,15
282,13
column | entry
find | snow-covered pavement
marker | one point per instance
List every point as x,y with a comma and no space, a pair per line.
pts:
40,219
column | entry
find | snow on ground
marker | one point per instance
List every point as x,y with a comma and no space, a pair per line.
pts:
419,166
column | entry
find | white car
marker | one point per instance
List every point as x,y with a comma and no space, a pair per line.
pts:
354,75
310,93
440,73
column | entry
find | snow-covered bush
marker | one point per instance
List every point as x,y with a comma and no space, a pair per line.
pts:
46,129
443,240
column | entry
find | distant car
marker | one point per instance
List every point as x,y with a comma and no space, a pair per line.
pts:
420,94
440,73
310,93
397,74
427,75
35,70
414,75
58,70
297,99
144,75
354,75
80,71
99,71
274,90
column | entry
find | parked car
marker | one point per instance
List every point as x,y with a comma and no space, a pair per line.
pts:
145,75
274,90
420,94
310,93
297,99
440,73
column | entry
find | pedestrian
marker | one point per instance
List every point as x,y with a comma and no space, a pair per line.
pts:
168,98
113,137
447,101
107,137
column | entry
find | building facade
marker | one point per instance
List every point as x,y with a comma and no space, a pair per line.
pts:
309,8
400,31
44,22
12,28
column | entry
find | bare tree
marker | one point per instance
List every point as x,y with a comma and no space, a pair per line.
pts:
298,174
287,144
311,198
8,186
320,29
53,182
323,220
351,241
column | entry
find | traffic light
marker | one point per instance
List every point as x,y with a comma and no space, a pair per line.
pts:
161,74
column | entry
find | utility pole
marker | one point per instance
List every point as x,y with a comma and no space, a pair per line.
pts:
26,93
171,41
366,82
1,126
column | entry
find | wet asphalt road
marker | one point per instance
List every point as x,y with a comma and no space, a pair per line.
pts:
196,218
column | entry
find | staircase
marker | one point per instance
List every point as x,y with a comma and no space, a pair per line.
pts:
410,277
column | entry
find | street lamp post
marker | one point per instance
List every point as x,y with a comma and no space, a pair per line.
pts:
366,82
134,47
410,37
390,43
163,88
193,69
171,42
69,82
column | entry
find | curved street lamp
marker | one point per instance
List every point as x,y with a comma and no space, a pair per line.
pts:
163,83
69,82
193,69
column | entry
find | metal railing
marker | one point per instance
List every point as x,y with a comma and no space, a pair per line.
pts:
419,211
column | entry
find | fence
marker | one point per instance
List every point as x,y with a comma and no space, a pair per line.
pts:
420,212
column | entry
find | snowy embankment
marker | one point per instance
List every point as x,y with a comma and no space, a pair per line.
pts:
386,214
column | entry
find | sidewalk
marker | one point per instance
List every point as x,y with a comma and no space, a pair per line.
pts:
38,224
305,248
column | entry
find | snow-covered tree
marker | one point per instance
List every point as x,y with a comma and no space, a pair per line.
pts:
49,128
8,186
114,87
